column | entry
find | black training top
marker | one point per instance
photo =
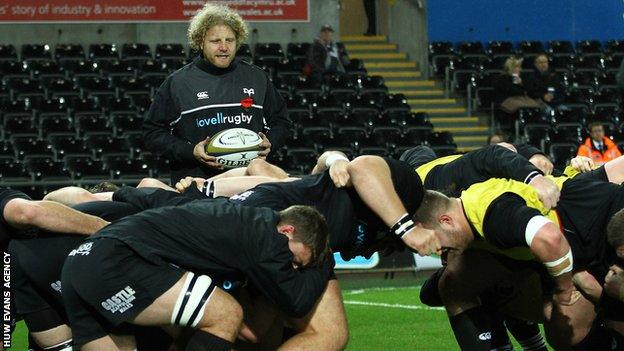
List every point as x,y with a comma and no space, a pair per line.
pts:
200,100
353,226
224,241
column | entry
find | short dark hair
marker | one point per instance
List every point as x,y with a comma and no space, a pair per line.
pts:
103,187
433,204
595,124
310,229
615,229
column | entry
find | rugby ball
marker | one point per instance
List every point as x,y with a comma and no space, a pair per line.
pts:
234,147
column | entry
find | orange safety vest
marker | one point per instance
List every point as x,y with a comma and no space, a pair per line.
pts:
587,149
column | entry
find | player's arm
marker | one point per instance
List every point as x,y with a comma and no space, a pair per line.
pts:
72,195
51,216
336,162
510,223
588,285
495,161
373,180
156,129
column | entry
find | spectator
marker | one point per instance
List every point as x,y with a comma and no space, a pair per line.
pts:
542,84
619,77
511,89
597,146
216,91
371,16
326,56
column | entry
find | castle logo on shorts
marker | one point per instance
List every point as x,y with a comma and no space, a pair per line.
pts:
121,301
82,250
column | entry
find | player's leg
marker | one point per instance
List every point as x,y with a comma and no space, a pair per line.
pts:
194,301
569,325
260,167
325,327
615,170
153,183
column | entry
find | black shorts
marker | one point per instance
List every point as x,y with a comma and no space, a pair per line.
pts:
105,284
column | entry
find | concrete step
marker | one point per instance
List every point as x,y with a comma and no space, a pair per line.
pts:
467,131
441,111
464,149
351,48
418,102
395,74
410,84
470,139
379,56
419,93
363,38
390,65
473,120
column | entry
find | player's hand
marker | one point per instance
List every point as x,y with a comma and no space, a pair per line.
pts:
542,163
582,164
547,191
186,182
199,151
265,146
424,241
339,174
614,282
567,298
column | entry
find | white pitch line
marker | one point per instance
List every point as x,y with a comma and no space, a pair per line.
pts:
392,305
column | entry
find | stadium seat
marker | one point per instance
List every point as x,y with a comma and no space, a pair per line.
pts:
135,143
19,109
124,123
355,67
122,167
121,105
530,47
61,87
560,47
69,52
68,144
585,77
588,46
500,48
614,46
297,50
375,150
441,139
352,135
535,134
268,50
441,48
561,153
88,124
35,52
131,51
83,68
300,156
26,88
470,47
94,86
87,107
567,132
8,52
317,136
386,136
170,51
55,124
606,112
54,107
14,69
13,170
46,168
106,144
444,150
82,167
18,126
592,60
46,69
31,146
157,165
103,52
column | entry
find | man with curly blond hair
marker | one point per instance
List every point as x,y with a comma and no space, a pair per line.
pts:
216,91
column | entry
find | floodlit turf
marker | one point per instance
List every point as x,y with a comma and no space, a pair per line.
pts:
379,319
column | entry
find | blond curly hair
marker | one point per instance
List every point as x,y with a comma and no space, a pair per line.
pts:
210,16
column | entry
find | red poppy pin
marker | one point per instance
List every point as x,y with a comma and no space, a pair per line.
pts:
247,102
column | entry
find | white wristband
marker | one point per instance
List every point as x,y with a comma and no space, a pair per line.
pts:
535,224
333,158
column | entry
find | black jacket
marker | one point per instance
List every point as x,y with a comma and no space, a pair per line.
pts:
537,85
200,100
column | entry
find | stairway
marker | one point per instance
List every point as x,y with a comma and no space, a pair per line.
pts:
403,76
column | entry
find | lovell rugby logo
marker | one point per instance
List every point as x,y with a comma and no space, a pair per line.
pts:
248,101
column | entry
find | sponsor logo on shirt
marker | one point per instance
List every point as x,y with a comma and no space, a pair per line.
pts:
221,119
202,95
82,250
121,301
485,336
248,91
56,286
242,196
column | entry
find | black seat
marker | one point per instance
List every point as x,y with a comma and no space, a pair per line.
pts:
530,47
297,49
106,144
268,50
13,170
441,48
55,124
69,52
589,46
26,88
158,165
17,126
19,109
124,123
375,150
353,135
103,52
561,153
36,52
8,52
135,50
84,68
441,139
82,167
132,85
560,47
121,105
88,124
500,48
14,69
170,51
300,157
470,47
317,135
46,168
46,69
386,136
535,134
87,107
31,146
567,132
124,167
68,144
95,86
61,87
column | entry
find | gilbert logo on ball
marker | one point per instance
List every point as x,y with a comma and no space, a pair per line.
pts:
234,147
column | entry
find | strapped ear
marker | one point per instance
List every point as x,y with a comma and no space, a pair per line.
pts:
286,229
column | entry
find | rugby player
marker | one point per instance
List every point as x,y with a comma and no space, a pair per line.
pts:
161,267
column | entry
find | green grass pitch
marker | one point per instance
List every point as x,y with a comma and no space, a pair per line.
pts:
379,319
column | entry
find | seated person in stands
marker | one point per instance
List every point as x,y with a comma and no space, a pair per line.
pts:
326,57
597,146
496,137
512,92
542,84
